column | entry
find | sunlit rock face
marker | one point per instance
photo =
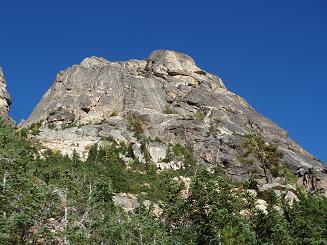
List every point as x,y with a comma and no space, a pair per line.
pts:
96,88
175,101
5,99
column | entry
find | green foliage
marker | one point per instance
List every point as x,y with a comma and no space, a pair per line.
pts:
168,110
137,228
158,140
283,170
179,152
19,195
273,228
210,213
145,151
199,115
268,155
51,126
114,114
135,124
103,190
308,219
23,132
35,128
141,178
60,198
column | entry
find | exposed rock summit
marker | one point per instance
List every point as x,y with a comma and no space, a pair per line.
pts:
176,102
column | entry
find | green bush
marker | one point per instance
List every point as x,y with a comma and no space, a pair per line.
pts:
255,147
199,115
168,110
37,194
34,128
114,114
135,124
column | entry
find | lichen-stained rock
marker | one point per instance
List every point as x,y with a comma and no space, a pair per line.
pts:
128,202
5,99
157,150
165,97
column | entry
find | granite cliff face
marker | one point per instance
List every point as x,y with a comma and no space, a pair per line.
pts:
171,99
5,99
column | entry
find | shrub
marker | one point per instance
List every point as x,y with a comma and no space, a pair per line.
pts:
35,128
168,110
135,124
267,154
199,115
23,132
145,152
51,126
114,114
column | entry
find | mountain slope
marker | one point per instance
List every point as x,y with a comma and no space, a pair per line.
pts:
171,100
133,122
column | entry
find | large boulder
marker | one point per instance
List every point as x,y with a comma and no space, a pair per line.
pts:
128,202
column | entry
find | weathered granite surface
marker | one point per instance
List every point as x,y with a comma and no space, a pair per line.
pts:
5,99
176,101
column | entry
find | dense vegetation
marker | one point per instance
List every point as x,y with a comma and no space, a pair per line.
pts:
56,199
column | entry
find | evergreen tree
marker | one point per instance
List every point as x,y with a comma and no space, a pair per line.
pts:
266,153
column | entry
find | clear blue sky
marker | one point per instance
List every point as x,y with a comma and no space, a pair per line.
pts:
273,53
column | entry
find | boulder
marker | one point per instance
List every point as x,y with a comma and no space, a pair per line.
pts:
157,151
126,201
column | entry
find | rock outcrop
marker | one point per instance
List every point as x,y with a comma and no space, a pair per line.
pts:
171,100
312,179
5,99
128,202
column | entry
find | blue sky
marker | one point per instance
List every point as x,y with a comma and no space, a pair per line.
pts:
273,53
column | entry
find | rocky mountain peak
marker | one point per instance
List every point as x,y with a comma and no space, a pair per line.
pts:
94,61
172,61
165,99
